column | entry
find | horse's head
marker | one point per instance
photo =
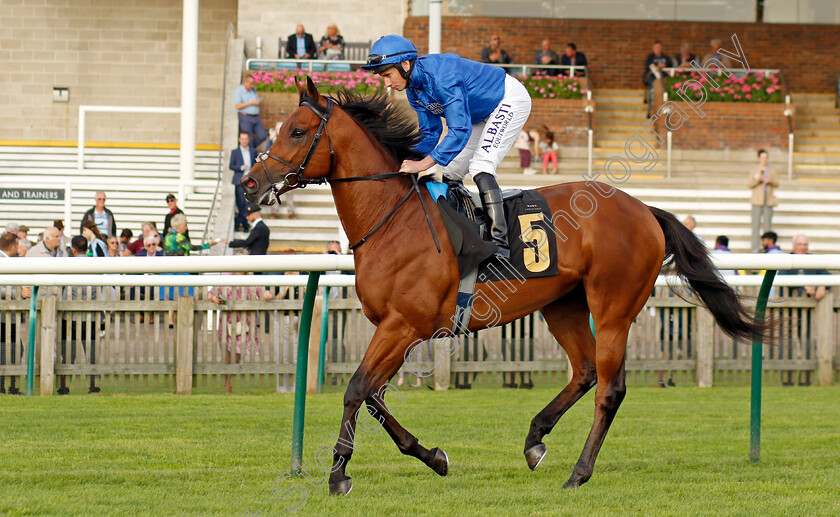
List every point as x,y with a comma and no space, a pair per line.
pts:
301,154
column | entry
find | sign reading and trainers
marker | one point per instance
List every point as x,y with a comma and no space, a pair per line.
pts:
32,194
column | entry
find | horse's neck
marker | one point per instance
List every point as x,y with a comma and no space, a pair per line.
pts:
361,205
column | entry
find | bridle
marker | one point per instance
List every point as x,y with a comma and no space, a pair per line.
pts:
295,180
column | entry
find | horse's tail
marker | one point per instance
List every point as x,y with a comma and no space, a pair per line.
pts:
692,263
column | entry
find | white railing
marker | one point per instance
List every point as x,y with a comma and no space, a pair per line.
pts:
53,270
310,65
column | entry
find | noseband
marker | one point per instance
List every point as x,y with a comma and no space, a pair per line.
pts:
295,179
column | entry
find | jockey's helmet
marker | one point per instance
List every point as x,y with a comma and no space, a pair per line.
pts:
390,51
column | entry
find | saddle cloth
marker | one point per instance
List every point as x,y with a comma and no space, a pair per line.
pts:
533,247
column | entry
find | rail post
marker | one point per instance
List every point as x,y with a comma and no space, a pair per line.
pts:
755,391
30,348
48,334
300,375
314,346
322,346
825,339
184,345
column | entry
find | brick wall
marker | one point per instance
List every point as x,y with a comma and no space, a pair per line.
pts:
731,125
616,50
565,117
276,107
115,53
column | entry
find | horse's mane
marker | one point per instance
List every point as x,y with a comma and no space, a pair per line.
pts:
395,131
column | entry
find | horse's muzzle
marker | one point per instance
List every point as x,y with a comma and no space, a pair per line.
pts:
252,188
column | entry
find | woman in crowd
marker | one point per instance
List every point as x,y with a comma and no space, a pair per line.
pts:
96,244
332,44
113,246
237,328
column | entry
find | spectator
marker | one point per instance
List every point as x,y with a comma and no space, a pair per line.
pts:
237,327
690,223
149,230
654,64
78,328
113,244
12,228
768,243
125,239
258,239
150,248
546,56
802,331
301,45
24,245
172,203
523,145
684,59
247,103
800,247
722,246
763,181
78,246
549,149
50,246
573,58
495,53
272,134
23,235
241,160
716,54
332,44
65,245
101,216
177,242
96,244
10,320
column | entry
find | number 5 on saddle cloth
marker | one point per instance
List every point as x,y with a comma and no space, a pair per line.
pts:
533,246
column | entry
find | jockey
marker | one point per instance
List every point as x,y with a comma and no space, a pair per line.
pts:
485,110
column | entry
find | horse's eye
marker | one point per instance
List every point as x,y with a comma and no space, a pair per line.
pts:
298,133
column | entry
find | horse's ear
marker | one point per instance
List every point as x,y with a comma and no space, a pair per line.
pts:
312,91
300,88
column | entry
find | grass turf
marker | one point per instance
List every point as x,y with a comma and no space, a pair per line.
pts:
677,451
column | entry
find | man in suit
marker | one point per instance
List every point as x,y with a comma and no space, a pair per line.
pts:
257,241
301,45
241,160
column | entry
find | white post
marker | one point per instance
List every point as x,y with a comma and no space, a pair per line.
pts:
189,72
258,49
790,156
590,140
80,164
434,26
669,154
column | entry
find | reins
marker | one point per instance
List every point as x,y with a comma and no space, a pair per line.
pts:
295,179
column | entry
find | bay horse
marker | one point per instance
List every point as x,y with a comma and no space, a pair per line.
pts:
608,259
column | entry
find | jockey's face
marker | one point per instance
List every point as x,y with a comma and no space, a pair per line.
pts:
393,79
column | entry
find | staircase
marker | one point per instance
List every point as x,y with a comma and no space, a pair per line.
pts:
817,136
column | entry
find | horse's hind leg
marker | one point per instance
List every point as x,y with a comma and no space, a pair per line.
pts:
609,364
568,320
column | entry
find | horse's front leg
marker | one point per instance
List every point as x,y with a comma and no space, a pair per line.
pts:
382,360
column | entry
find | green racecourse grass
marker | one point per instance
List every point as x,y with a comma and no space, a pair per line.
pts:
675,451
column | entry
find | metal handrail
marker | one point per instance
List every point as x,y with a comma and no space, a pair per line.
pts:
221,137
309,64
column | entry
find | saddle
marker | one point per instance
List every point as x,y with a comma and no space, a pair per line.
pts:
465,223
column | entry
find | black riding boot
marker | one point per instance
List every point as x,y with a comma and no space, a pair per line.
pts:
491,201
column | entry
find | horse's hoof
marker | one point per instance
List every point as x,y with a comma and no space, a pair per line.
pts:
535,455
342,487
441,462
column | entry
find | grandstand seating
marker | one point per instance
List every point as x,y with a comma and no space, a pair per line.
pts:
136,181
